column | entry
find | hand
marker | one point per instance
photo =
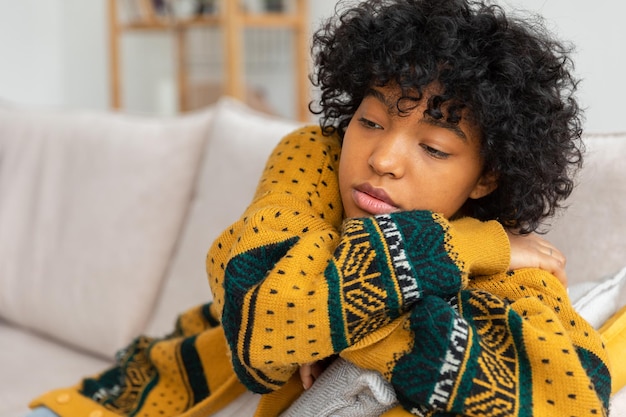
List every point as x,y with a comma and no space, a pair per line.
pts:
309,372
528,251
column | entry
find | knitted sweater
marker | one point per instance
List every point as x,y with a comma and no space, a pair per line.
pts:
425,302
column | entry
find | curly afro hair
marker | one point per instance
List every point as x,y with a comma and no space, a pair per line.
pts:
508,75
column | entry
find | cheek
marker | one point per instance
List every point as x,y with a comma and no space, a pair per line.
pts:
344,177
349,161
440,193
342,174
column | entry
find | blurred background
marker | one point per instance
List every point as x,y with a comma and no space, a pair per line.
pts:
171,56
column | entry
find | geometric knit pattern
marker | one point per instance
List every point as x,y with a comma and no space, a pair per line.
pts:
430,370
133,373
140,382
496,384
378,271
359,299
473,359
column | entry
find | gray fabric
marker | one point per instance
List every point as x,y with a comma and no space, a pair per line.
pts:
345,390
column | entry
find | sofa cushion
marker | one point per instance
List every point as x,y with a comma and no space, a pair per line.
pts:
91,205
240,141
586,230
32,365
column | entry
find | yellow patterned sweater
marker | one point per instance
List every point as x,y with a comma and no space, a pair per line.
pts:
426,302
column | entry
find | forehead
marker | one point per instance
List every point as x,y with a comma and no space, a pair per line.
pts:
397,99
447,115
432,97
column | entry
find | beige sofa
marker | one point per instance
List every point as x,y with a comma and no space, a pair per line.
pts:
105,219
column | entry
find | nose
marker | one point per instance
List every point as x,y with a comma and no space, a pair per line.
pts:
388,157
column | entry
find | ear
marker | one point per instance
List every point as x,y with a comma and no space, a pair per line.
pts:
485,185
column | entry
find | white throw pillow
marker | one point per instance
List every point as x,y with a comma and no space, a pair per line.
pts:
598,301
240,141
91,205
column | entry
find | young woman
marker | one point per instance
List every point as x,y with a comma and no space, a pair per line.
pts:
396,235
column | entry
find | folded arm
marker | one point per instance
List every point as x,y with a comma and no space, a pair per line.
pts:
511,341
292,289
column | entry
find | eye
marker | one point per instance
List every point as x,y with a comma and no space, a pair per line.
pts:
435,153
368,124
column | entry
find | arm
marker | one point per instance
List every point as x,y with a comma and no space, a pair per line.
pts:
285,279
527,251
510,341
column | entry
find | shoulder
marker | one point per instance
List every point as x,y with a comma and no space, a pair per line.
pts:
306,149
304,165
309,137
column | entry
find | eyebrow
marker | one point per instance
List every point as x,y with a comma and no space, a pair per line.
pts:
452,127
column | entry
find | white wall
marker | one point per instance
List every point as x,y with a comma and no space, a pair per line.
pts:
54,53
31,51
598,32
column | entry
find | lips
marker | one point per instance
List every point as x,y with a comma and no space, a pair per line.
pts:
373,200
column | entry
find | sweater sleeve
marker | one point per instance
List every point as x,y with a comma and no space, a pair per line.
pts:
506,345
292,289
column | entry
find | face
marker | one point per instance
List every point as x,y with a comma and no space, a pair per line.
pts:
394,162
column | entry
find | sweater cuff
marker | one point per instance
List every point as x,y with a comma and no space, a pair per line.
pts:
483,247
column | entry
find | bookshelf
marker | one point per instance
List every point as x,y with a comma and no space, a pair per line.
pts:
232,18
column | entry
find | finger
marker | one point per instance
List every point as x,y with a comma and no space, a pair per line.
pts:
559,258
555,266
306,376
561,276
550,258
553,252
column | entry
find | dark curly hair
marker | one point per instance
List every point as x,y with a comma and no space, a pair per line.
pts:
510,76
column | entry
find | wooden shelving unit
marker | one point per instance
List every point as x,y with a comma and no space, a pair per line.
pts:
232,20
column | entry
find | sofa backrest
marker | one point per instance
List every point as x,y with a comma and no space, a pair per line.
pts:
91,206
113,214
592,230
